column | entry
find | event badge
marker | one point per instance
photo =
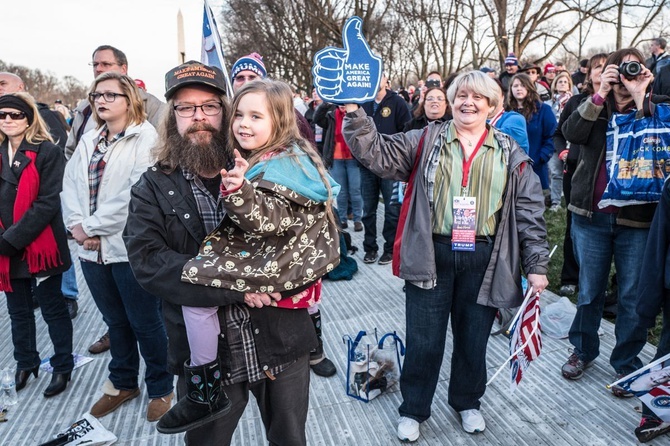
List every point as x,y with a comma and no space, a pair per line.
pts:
464,227
348,75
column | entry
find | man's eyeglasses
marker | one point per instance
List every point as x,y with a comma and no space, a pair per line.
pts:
188,111
14,116
108,96
105,65
435,99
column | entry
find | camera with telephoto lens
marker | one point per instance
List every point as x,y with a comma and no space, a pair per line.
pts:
630,70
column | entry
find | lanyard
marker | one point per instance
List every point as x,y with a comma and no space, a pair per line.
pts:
467,163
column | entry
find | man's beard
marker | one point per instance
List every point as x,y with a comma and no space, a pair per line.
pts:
199,154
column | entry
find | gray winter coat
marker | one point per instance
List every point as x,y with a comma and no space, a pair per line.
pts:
521,237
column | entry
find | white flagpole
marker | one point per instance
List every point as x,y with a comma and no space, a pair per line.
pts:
523,305
639,371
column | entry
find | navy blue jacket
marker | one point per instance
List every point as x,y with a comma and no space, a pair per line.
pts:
392,113
653,290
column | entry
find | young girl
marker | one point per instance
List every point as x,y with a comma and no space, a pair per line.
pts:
279,235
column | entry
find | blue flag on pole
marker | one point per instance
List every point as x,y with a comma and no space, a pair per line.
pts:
211,53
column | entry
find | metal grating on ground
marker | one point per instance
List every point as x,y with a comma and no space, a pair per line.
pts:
546,410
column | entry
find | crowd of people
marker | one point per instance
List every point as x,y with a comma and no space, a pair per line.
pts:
204,224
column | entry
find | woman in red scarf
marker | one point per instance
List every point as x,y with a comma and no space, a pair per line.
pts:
33,245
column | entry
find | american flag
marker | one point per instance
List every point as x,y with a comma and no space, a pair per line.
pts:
525,341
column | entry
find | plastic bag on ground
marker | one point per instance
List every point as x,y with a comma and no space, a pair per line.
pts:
557,318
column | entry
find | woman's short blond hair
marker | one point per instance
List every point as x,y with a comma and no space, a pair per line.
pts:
136,113
476,82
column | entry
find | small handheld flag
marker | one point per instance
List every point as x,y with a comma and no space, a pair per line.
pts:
525,342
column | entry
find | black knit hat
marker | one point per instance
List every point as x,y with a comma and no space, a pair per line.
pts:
12,101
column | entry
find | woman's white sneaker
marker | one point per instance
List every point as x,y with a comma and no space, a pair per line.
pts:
408,429
472,421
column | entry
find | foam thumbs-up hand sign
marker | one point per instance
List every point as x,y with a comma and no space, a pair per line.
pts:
350,74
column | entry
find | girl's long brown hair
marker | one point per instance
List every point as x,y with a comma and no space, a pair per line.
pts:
528,106
285,132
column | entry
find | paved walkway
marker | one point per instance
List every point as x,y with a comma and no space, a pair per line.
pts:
546,410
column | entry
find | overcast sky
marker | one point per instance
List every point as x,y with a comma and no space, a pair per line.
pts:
60,35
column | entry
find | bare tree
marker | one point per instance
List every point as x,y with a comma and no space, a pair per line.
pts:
414,37
288,33
46,87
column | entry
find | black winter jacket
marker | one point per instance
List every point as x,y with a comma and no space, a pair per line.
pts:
422,121
324,117
163,232
45,210
560,140
392,113
56,129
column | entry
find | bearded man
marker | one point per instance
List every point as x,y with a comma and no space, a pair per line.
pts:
174,205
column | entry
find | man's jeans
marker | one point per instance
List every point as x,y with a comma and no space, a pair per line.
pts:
347,173
371,186
459,277
69,285
133,317
596,241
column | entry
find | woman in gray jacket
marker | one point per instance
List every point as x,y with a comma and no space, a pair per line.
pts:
473,204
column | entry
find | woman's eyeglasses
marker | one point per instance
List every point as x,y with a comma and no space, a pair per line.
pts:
108,96
435,99
14,116
209,109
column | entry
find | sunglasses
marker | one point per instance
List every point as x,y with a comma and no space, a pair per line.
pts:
14,116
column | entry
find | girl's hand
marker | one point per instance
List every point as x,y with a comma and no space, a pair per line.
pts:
234,178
